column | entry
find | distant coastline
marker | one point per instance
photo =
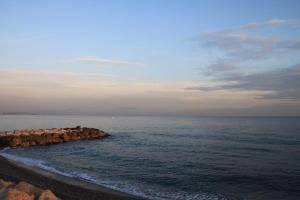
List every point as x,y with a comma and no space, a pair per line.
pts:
113,115
18,113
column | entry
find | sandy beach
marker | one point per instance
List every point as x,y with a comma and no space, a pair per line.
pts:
65,188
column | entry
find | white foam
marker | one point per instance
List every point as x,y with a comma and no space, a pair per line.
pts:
123,186
24,160
32,162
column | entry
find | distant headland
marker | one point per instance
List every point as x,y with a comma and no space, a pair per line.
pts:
18,113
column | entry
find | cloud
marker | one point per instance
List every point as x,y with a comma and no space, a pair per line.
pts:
49,84
47,92
290,44
242,45
233,39
103,61
220,67
277,84
237,50
239,46
204,88
83,93
266,24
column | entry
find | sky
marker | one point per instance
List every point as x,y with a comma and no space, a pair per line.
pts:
152,57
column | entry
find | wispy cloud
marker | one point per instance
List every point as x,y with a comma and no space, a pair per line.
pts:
49,84
45,82
290,44
220,67
238,50
239,46
266,24
103,61
226,39
279,84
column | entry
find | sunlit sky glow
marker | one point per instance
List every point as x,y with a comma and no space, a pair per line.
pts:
150,57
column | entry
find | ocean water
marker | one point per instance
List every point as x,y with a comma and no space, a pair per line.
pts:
175,157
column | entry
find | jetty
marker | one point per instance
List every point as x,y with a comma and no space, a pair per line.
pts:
35,137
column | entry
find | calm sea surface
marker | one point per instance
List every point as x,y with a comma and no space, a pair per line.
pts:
175,157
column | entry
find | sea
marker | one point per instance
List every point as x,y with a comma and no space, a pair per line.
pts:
178,158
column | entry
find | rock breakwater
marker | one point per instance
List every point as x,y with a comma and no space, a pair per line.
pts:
34,137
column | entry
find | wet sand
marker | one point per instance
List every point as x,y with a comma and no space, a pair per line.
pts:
64,187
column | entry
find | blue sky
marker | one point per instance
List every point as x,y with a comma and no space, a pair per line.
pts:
181,55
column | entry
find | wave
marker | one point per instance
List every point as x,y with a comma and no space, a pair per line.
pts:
123,186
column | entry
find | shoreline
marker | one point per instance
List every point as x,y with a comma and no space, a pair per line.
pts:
64,187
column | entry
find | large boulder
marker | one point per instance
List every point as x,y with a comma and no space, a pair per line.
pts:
28,188
13,194
23,191
5,184
47,195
